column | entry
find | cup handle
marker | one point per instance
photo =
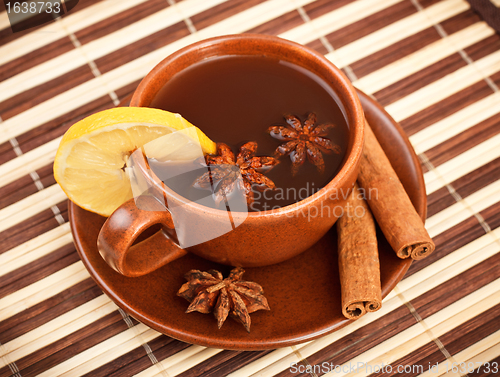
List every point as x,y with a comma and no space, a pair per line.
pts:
123,227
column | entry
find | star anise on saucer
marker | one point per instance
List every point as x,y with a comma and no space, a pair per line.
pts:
304,140
224,170
207,291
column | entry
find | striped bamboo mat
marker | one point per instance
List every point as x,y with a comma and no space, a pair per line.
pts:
434,65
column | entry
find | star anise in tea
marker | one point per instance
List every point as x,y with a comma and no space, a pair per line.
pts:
303,140
208,291
224,171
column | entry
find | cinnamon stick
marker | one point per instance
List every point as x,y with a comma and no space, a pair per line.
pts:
402,226
359,266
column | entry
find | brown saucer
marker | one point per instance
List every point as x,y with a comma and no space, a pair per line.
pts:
303,292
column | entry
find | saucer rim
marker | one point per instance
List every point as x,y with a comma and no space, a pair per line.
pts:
255,344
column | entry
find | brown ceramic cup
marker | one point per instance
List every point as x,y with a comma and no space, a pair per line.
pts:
263,238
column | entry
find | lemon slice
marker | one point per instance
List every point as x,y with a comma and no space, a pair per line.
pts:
90,161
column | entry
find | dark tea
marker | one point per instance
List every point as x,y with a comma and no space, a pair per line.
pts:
235,100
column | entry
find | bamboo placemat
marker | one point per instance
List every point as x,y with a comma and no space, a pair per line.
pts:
434,65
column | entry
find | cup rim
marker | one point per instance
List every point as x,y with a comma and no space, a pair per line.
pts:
345,90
